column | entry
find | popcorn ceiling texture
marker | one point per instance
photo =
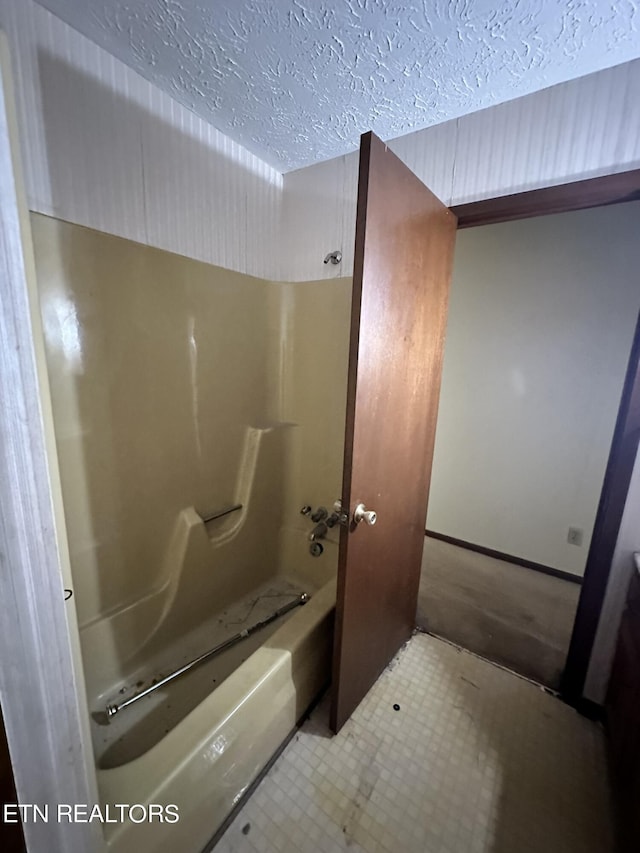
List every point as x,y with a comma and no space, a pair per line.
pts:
297,82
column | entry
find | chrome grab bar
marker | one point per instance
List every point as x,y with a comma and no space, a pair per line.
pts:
220,513
112,709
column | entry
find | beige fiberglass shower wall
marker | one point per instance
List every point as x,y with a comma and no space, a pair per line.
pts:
180,389
152,386
176,385
157,364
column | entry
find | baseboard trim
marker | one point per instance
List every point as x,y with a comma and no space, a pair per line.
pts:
506,558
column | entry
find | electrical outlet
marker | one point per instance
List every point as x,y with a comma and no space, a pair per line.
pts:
574,536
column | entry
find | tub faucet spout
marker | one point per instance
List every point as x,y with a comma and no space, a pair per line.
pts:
318,532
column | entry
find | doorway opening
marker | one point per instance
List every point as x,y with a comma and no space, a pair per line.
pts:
542,320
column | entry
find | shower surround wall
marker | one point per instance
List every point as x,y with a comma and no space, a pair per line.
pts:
163,370
158,365
314,350
178,389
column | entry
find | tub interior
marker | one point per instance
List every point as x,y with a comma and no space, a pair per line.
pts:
139,727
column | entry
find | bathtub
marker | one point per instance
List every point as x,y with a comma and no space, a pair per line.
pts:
155,432
209,759
199,742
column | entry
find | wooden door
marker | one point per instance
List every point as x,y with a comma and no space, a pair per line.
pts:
403,257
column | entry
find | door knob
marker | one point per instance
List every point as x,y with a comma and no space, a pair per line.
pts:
361,513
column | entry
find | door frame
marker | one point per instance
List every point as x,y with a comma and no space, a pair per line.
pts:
579,195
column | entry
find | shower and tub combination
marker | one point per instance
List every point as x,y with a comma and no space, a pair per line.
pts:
212,693
224,668
188,440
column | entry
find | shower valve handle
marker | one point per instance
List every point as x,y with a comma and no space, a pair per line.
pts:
319,514
361,513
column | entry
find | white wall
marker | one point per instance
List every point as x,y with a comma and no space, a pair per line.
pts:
541,321
102,147
575,130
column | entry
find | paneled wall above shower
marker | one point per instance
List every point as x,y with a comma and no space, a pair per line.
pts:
105,148
575,130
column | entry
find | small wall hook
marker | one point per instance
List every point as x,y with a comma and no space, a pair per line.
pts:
334,257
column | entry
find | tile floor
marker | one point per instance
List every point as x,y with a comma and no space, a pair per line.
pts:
476,759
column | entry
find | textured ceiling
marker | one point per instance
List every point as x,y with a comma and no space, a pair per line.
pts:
297,81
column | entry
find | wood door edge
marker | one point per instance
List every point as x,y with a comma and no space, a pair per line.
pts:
354,339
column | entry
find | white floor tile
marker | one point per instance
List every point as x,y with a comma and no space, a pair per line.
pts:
476,760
